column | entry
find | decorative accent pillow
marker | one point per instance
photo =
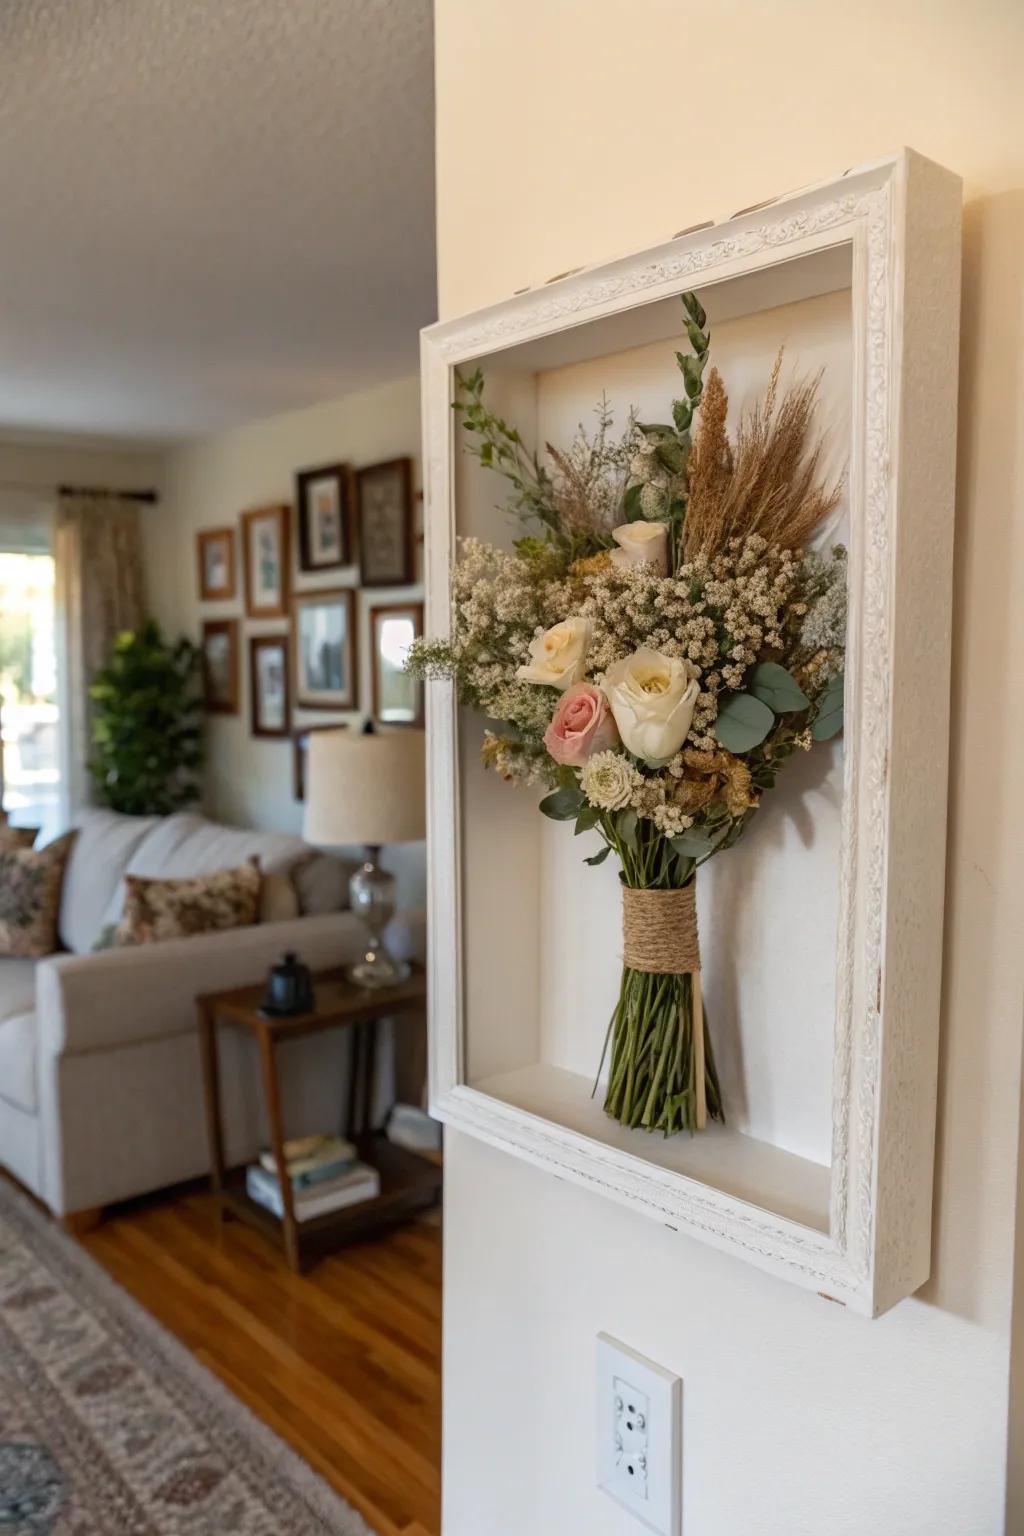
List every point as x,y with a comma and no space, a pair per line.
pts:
176,909
30,882
16,837
279,900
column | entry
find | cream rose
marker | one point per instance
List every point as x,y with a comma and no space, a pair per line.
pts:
559,655
641,541
652,698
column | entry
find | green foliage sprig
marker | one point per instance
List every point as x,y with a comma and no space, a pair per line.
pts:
672,441
501,448
146,725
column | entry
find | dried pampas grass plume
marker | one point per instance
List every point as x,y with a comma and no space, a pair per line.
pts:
709,469
774,487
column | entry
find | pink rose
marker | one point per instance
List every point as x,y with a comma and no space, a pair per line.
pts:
582,724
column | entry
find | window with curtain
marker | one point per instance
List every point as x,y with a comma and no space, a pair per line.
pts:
31,749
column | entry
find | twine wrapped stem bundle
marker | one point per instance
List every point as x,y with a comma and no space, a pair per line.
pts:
662,1075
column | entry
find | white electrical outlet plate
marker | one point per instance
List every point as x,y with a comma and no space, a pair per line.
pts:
639,1435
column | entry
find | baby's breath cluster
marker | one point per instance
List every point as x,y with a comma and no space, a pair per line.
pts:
498,606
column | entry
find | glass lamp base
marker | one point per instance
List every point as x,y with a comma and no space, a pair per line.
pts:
372,898
378,969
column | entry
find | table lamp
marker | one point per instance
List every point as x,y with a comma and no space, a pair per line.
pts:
368,787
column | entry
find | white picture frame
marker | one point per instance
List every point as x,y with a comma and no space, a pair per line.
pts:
896,223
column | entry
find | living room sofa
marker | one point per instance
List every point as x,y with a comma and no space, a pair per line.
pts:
101,1093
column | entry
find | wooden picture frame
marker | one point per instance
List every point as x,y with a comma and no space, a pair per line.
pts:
219,646
386,541
300,746
269,717
323,507
266,560
215,561
385,711
326,656
885,238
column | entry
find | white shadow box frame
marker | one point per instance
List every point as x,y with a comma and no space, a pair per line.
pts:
857,1230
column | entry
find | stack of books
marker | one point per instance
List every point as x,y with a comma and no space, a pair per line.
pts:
325,1176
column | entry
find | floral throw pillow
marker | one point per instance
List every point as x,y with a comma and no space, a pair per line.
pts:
30,883
176,909
17,837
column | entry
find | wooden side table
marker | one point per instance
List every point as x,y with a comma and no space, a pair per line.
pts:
408,1181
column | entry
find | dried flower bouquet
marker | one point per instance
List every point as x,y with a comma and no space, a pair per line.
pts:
652,651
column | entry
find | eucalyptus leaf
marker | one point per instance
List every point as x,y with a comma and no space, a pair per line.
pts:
632,508
685,867
598,858
626,823
829,719
777,688
694,308
587,819
682,415
562,804
698,340
743,722
691,845
693,368
670,453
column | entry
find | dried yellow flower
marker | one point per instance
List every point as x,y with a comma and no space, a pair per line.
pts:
715,776
593,565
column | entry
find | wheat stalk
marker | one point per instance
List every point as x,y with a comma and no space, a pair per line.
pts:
771,483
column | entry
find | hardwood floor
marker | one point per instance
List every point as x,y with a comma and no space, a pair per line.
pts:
344,1363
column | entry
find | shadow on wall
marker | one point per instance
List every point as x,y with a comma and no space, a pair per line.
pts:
980,1061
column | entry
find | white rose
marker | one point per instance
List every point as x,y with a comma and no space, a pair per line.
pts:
559,655
641,541
652,698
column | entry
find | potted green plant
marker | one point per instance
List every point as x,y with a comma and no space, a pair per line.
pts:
147,724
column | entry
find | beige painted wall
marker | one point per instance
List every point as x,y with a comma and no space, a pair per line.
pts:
207,484
569,134
42,463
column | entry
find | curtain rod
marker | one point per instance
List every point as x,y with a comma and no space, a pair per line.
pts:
151,497
35,488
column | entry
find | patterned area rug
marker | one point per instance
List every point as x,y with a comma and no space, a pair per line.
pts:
108,1427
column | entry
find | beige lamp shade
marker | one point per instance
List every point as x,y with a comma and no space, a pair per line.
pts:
368,789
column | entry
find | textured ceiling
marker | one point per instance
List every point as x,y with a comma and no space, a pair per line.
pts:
210,210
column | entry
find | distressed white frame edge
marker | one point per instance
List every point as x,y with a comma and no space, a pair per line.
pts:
902,216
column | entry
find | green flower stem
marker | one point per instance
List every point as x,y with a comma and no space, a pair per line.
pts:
652,1082
649,1043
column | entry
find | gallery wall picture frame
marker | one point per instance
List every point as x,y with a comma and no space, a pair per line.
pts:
219,647
215,559
323,505
266,559
325,650
385,524
300,750
269,686
397,698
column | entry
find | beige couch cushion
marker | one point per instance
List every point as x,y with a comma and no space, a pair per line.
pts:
92,879
18,1061
18,1033
110,846
185,845
17,987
